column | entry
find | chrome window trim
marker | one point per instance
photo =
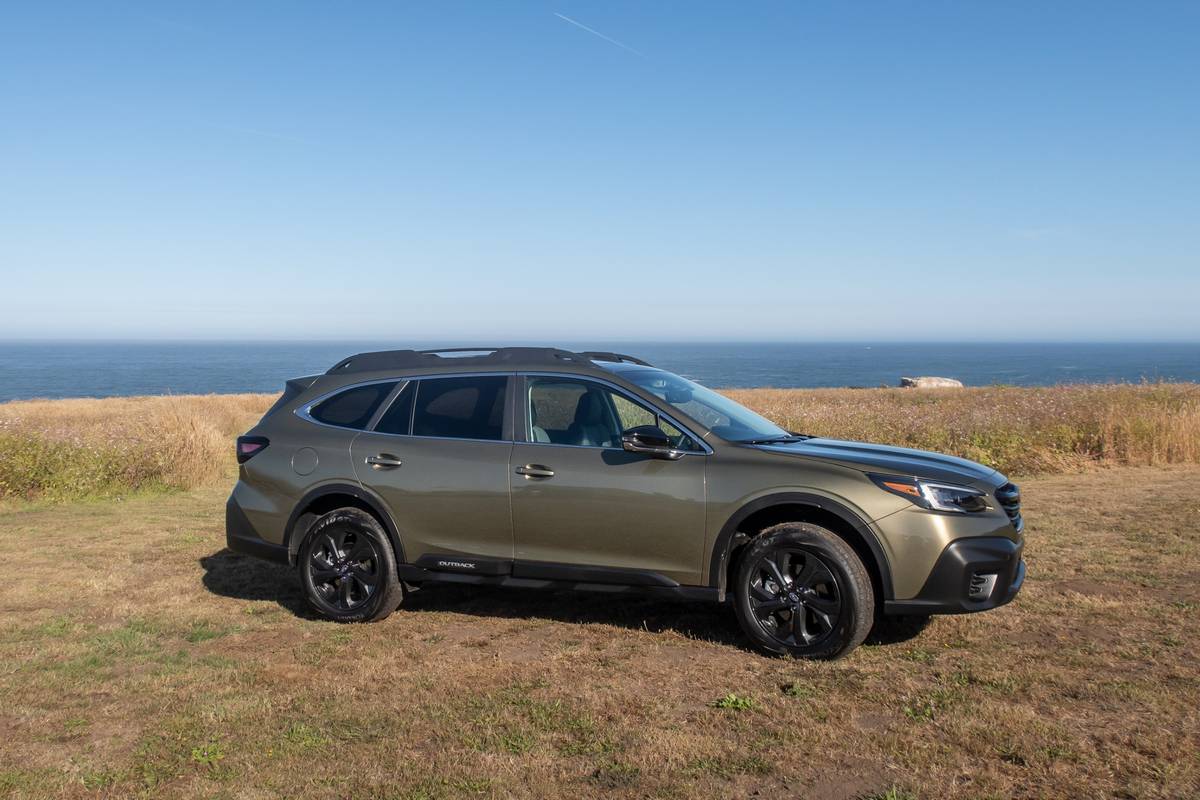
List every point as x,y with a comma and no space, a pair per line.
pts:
448,438
304,412
524,427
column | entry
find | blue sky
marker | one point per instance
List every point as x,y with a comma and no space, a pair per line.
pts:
572,170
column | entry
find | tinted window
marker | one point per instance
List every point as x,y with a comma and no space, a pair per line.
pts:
460,408
399,414
571,411
352,408
552,404
588,414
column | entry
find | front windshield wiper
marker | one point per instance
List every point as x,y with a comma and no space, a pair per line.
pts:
789,437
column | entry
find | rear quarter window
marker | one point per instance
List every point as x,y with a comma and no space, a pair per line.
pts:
352,408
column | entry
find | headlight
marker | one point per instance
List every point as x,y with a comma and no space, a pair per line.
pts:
936,496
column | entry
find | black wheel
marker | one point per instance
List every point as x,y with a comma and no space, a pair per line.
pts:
801,590
348,568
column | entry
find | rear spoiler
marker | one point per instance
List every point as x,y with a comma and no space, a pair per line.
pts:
291,390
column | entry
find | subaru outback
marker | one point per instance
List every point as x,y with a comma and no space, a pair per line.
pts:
545,468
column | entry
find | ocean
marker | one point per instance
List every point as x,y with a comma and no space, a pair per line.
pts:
105,369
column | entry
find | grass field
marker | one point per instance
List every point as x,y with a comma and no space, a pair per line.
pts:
68,449
53,450
137,656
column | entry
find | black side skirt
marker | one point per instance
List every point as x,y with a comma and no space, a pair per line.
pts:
478,571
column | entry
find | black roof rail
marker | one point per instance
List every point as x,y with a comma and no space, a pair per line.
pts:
407,359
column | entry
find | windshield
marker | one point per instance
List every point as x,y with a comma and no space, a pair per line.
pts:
719,414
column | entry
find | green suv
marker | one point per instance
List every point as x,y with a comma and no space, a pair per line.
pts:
544,468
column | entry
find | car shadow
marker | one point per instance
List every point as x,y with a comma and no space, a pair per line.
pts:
896,630
710,622
695,620
241,577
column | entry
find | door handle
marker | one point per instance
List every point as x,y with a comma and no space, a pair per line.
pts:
535,471
383,461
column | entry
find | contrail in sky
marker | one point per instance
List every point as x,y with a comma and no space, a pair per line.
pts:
610,40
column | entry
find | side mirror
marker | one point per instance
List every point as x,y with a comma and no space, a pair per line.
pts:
651,441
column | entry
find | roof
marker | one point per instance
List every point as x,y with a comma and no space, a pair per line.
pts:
484,357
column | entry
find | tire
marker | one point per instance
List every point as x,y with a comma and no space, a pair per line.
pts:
800,590
348,569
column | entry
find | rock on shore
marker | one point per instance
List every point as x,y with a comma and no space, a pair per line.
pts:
927,382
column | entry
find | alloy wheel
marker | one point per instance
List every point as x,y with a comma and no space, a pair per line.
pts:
344,569
794,596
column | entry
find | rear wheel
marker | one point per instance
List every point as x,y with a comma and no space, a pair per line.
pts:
348,569
801,590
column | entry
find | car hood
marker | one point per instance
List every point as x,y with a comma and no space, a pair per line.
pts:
880,458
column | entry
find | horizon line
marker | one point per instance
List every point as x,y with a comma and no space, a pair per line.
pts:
542,342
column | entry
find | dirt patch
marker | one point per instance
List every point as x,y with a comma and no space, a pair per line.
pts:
1091,588
850,779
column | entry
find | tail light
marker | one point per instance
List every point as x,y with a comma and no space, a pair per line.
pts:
250,446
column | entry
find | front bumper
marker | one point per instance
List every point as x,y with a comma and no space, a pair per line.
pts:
974,574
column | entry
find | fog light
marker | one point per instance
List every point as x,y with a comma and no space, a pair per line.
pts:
982,584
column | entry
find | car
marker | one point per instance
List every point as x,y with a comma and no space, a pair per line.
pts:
547,468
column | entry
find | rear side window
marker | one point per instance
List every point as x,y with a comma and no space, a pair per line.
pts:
352,408
460,408
398,417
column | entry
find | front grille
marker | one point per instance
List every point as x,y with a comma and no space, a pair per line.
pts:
1009,498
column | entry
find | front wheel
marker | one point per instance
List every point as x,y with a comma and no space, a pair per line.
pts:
348,569
800,590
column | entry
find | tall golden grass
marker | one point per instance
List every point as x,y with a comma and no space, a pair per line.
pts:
61,449
1017,430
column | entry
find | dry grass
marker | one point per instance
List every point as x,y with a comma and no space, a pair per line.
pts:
59,449
62,449
1017,430
138,657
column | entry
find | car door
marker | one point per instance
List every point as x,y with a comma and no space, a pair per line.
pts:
438,456
583,508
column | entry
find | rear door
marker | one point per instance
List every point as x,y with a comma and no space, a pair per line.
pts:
438,456
584,509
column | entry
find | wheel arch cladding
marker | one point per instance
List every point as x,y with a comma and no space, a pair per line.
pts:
764,512
327,498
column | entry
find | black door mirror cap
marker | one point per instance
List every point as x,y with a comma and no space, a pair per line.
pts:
649,440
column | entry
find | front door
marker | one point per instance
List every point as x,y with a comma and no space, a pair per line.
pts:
439,458
585,509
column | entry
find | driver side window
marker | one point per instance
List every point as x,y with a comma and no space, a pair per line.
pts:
570,411
583,413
